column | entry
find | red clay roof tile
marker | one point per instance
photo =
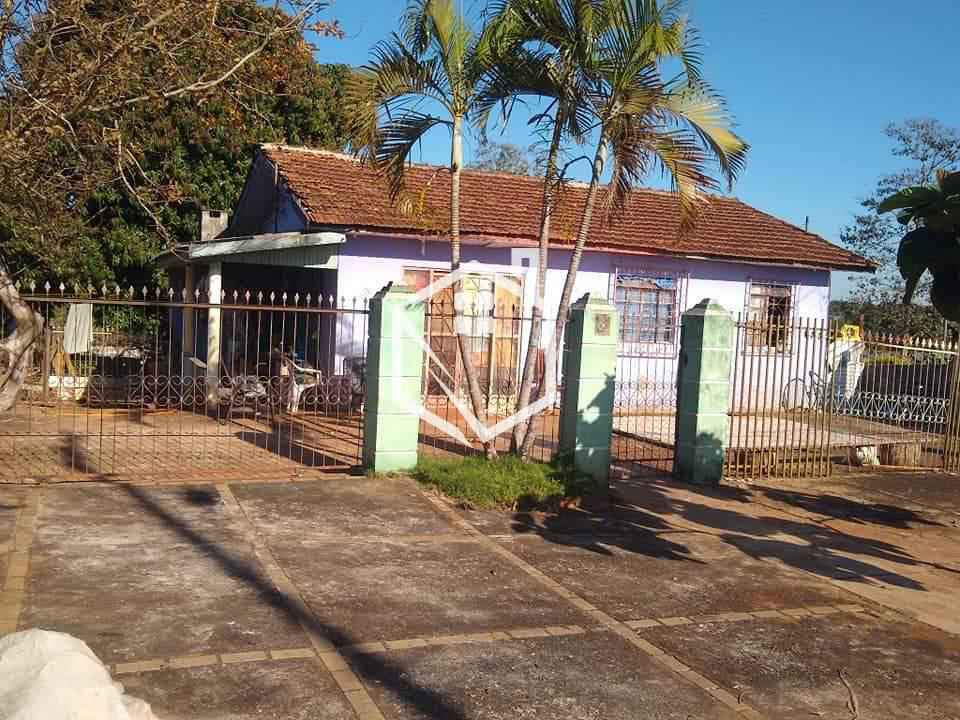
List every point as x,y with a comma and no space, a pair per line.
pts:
336,190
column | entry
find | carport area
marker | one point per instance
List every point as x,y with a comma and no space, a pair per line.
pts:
366,598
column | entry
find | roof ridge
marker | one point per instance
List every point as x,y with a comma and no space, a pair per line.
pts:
510,202
309,151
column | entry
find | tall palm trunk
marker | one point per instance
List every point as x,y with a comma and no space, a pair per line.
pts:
589,205
473,384
520,432
566,295
15,350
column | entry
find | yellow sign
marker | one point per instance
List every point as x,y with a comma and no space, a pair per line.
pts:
851,333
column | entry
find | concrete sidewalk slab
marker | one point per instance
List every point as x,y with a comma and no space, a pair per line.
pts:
292,690
394,589
343,507
695,574
559,678
141,573
790,669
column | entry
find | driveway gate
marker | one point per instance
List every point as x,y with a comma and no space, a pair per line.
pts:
158,384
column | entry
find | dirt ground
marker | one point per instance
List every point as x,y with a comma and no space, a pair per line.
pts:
352,597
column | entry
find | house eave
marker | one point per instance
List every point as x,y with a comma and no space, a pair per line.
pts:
523,242
245,248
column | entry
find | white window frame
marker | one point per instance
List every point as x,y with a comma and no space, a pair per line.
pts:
657,347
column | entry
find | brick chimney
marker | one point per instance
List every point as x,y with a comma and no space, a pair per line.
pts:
212,223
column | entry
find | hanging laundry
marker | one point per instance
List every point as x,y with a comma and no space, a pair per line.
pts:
78,332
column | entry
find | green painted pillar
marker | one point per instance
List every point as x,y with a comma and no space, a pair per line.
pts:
703,393
589,371
395,356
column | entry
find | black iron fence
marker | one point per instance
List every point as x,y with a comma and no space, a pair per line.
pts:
154,382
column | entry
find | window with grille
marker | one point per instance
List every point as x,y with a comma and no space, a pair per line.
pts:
647,307
770,313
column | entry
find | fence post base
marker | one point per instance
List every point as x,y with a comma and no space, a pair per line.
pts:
589,371
703,393
391,423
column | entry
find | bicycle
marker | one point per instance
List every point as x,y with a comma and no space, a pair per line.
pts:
801,394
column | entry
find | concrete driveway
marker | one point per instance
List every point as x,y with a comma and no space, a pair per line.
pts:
366,598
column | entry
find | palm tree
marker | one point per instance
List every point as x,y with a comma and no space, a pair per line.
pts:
437,63
641,119
552,46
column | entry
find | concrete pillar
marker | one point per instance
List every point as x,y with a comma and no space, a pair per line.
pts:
589,373
395,361
703,393
215,286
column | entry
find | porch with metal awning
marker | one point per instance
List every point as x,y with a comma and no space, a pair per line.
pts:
235,269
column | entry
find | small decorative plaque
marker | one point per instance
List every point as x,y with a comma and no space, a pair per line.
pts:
601,324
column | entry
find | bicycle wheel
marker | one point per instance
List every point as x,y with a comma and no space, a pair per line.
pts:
795,395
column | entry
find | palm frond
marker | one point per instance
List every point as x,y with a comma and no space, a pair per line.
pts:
707,117
415,25
522,73
682,159
395,139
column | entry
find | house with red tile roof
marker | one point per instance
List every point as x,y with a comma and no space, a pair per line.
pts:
322,222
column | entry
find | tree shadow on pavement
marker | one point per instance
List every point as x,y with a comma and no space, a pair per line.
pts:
641,512
427,701
841,508
629,528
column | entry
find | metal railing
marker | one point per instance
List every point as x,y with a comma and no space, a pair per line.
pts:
165,383
497,339
645,403
821,397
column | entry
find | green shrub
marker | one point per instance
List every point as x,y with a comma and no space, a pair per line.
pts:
507,481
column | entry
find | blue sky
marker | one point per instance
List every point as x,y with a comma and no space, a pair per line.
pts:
811,84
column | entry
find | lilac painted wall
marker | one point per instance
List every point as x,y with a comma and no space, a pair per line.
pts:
367,263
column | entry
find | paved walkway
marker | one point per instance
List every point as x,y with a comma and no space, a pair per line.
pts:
361,598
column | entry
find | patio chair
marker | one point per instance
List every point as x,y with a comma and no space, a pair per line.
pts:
297,376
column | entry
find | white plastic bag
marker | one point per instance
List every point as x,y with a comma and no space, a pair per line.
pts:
53,676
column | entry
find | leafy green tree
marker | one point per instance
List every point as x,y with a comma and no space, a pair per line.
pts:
502,157
925,146
87,86
892,318
190,152
933,243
